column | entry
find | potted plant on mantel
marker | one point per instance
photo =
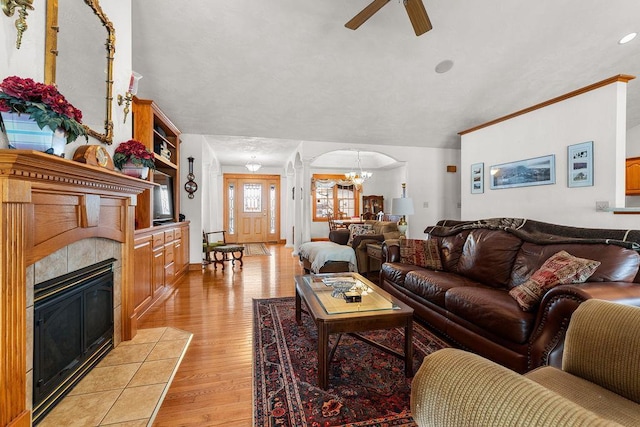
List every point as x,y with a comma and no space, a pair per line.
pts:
36,116
133,159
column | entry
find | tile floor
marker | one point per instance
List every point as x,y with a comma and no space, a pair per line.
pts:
127,387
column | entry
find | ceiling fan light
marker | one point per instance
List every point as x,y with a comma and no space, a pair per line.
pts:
627,38
444,66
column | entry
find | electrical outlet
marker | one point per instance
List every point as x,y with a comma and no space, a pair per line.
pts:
459,205
602,206
425,204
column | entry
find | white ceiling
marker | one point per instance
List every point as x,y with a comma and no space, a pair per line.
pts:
257,77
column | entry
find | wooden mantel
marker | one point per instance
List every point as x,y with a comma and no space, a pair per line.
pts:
48,203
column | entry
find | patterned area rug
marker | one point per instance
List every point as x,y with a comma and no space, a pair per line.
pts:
256,249
366,386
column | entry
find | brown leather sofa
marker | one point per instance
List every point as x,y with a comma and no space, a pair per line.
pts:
381,230
468,301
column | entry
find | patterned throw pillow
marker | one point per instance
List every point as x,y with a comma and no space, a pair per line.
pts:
561,268
423,253
358,230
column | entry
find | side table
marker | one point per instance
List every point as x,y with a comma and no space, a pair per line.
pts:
374,253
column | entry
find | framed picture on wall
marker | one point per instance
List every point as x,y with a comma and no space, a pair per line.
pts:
524,173
477,178
580,168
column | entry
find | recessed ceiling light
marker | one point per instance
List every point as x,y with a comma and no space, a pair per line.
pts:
628,38
444,66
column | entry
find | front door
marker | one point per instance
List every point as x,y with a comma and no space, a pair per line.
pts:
251,208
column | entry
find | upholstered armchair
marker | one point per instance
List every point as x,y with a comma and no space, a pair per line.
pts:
377,232
598,385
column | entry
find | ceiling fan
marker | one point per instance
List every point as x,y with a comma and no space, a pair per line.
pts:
415,9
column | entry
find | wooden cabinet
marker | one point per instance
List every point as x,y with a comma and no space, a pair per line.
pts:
372,204
154,129
161,258
161,248
633,176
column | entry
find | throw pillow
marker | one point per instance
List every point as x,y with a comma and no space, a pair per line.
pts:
358,230
561,268
423,253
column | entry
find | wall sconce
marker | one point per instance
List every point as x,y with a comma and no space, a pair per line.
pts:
131,92
9,7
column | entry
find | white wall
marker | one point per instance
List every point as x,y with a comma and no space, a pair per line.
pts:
598,116
194,209
28,61
633,142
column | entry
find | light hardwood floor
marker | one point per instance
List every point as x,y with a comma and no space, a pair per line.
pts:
213,385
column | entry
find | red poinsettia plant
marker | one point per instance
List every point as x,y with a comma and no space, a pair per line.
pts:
43,103
135,152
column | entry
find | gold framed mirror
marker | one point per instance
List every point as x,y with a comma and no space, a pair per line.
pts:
75,61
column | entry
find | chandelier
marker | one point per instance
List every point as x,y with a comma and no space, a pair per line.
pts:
358,176
253,165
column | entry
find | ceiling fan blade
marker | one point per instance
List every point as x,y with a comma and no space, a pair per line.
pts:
365,14
418,16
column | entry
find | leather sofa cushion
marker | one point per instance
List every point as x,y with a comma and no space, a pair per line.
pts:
617,264
451,249
433,285
488,256
492,310
396,272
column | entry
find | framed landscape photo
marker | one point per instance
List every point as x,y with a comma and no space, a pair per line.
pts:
580,168
524,173
477,178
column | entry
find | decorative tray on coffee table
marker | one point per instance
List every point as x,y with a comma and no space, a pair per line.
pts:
347,293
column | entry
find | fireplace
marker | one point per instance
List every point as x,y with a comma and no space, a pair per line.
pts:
53,209
73,331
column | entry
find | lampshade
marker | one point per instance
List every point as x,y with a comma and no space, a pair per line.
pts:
402,206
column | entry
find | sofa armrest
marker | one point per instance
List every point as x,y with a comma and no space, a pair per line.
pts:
339,236
602,346
457,388
546,343
391,251
361,241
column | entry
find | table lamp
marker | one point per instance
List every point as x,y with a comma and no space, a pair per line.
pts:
402,206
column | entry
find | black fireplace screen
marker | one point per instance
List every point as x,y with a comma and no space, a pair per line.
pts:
73,330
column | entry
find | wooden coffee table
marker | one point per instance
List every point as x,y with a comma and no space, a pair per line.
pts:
333,315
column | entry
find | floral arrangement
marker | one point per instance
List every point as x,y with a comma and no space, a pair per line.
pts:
43,103
135,152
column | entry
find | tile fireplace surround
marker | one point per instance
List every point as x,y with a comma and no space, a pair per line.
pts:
50,204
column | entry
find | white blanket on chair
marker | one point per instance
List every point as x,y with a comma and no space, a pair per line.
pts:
318,253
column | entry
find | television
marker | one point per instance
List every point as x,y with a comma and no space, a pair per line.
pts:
162,198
